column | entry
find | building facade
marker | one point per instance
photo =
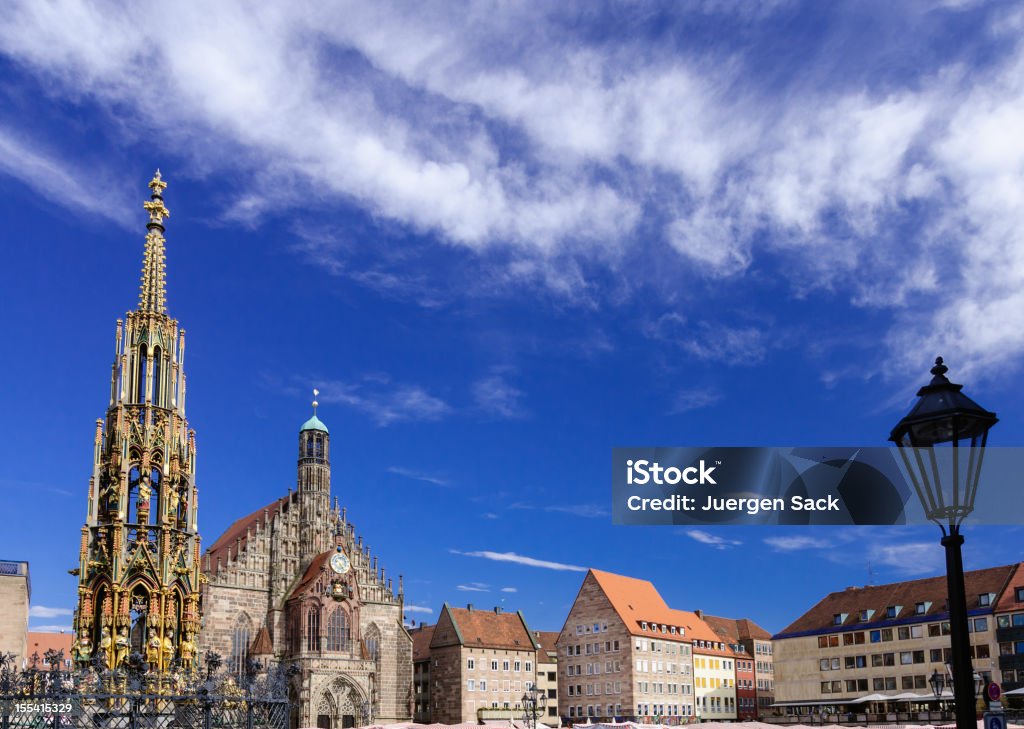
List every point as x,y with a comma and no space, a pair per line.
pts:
481,663
138,572
547,675
1009,616
624,654
15,595
755,674
885,639
421,637
293,583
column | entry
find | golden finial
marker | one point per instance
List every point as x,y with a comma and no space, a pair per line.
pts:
315,403
157,184
152,291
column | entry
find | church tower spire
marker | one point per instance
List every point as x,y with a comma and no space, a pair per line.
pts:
314,492
138,573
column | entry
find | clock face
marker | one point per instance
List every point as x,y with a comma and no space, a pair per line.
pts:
340,563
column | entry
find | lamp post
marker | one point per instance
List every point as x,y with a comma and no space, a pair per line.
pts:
943,414
535,702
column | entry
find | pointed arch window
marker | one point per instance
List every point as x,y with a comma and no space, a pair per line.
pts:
140,374
240,639
313,628
337,631
157,373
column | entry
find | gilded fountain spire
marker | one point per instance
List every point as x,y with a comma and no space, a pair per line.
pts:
153,288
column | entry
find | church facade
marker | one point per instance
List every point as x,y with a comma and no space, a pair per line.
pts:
293,583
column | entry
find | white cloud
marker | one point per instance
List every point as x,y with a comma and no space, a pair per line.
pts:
587,511
695,399
522,560
386,402
796,543
495,396
510,589
712,540
473,587
418,476
50,628
417,609
563,153
40,611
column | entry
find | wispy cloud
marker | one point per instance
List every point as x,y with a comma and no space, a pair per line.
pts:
41,611
545,168
417,609
510,589
796,543
695,399
522,560
586,511
418,476
473,587
50,628
496,397
385,402
712,540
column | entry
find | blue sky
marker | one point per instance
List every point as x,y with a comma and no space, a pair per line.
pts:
502,240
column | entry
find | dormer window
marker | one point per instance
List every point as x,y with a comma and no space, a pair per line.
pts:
1020,594
921,608
643,625
673,630
892,611
839,618
985,599
866,615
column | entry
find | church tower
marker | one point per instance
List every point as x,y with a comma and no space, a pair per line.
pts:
314,488
138,576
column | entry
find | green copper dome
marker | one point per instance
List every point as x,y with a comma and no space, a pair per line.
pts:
314,423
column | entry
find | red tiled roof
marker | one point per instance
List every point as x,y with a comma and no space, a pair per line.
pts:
240,530
262,645
1008,600
547,639
42,642
931,591
421,642
317,566
490,629
736,629
637,602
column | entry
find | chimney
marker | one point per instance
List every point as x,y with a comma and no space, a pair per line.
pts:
469,607
497,609
699,614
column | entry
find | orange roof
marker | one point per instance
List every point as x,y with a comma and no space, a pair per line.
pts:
42,642
262,645
1008,600
547,639
317,566
240,530
490,629
736,629
638,602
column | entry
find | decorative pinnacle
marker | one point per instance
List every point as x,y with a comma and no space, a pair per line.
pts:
153,288
315,403
939,371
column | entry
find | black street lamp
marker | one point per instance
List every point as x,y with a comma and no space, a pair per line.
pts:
535,702
938,682
943,414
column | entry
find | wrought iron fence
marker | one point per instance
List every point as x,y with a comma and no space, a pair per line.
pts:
135,698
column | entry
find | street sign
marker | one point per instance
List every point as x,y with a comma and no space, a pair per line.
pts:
994,692
994,721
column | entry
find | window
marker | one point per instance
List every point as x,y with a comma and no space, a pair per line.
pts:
1020,594
529,666
471,664
470,685
313,629
483,684
980,624
838,618
985,599
337,631
504,665
920,608
494,665
892,611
